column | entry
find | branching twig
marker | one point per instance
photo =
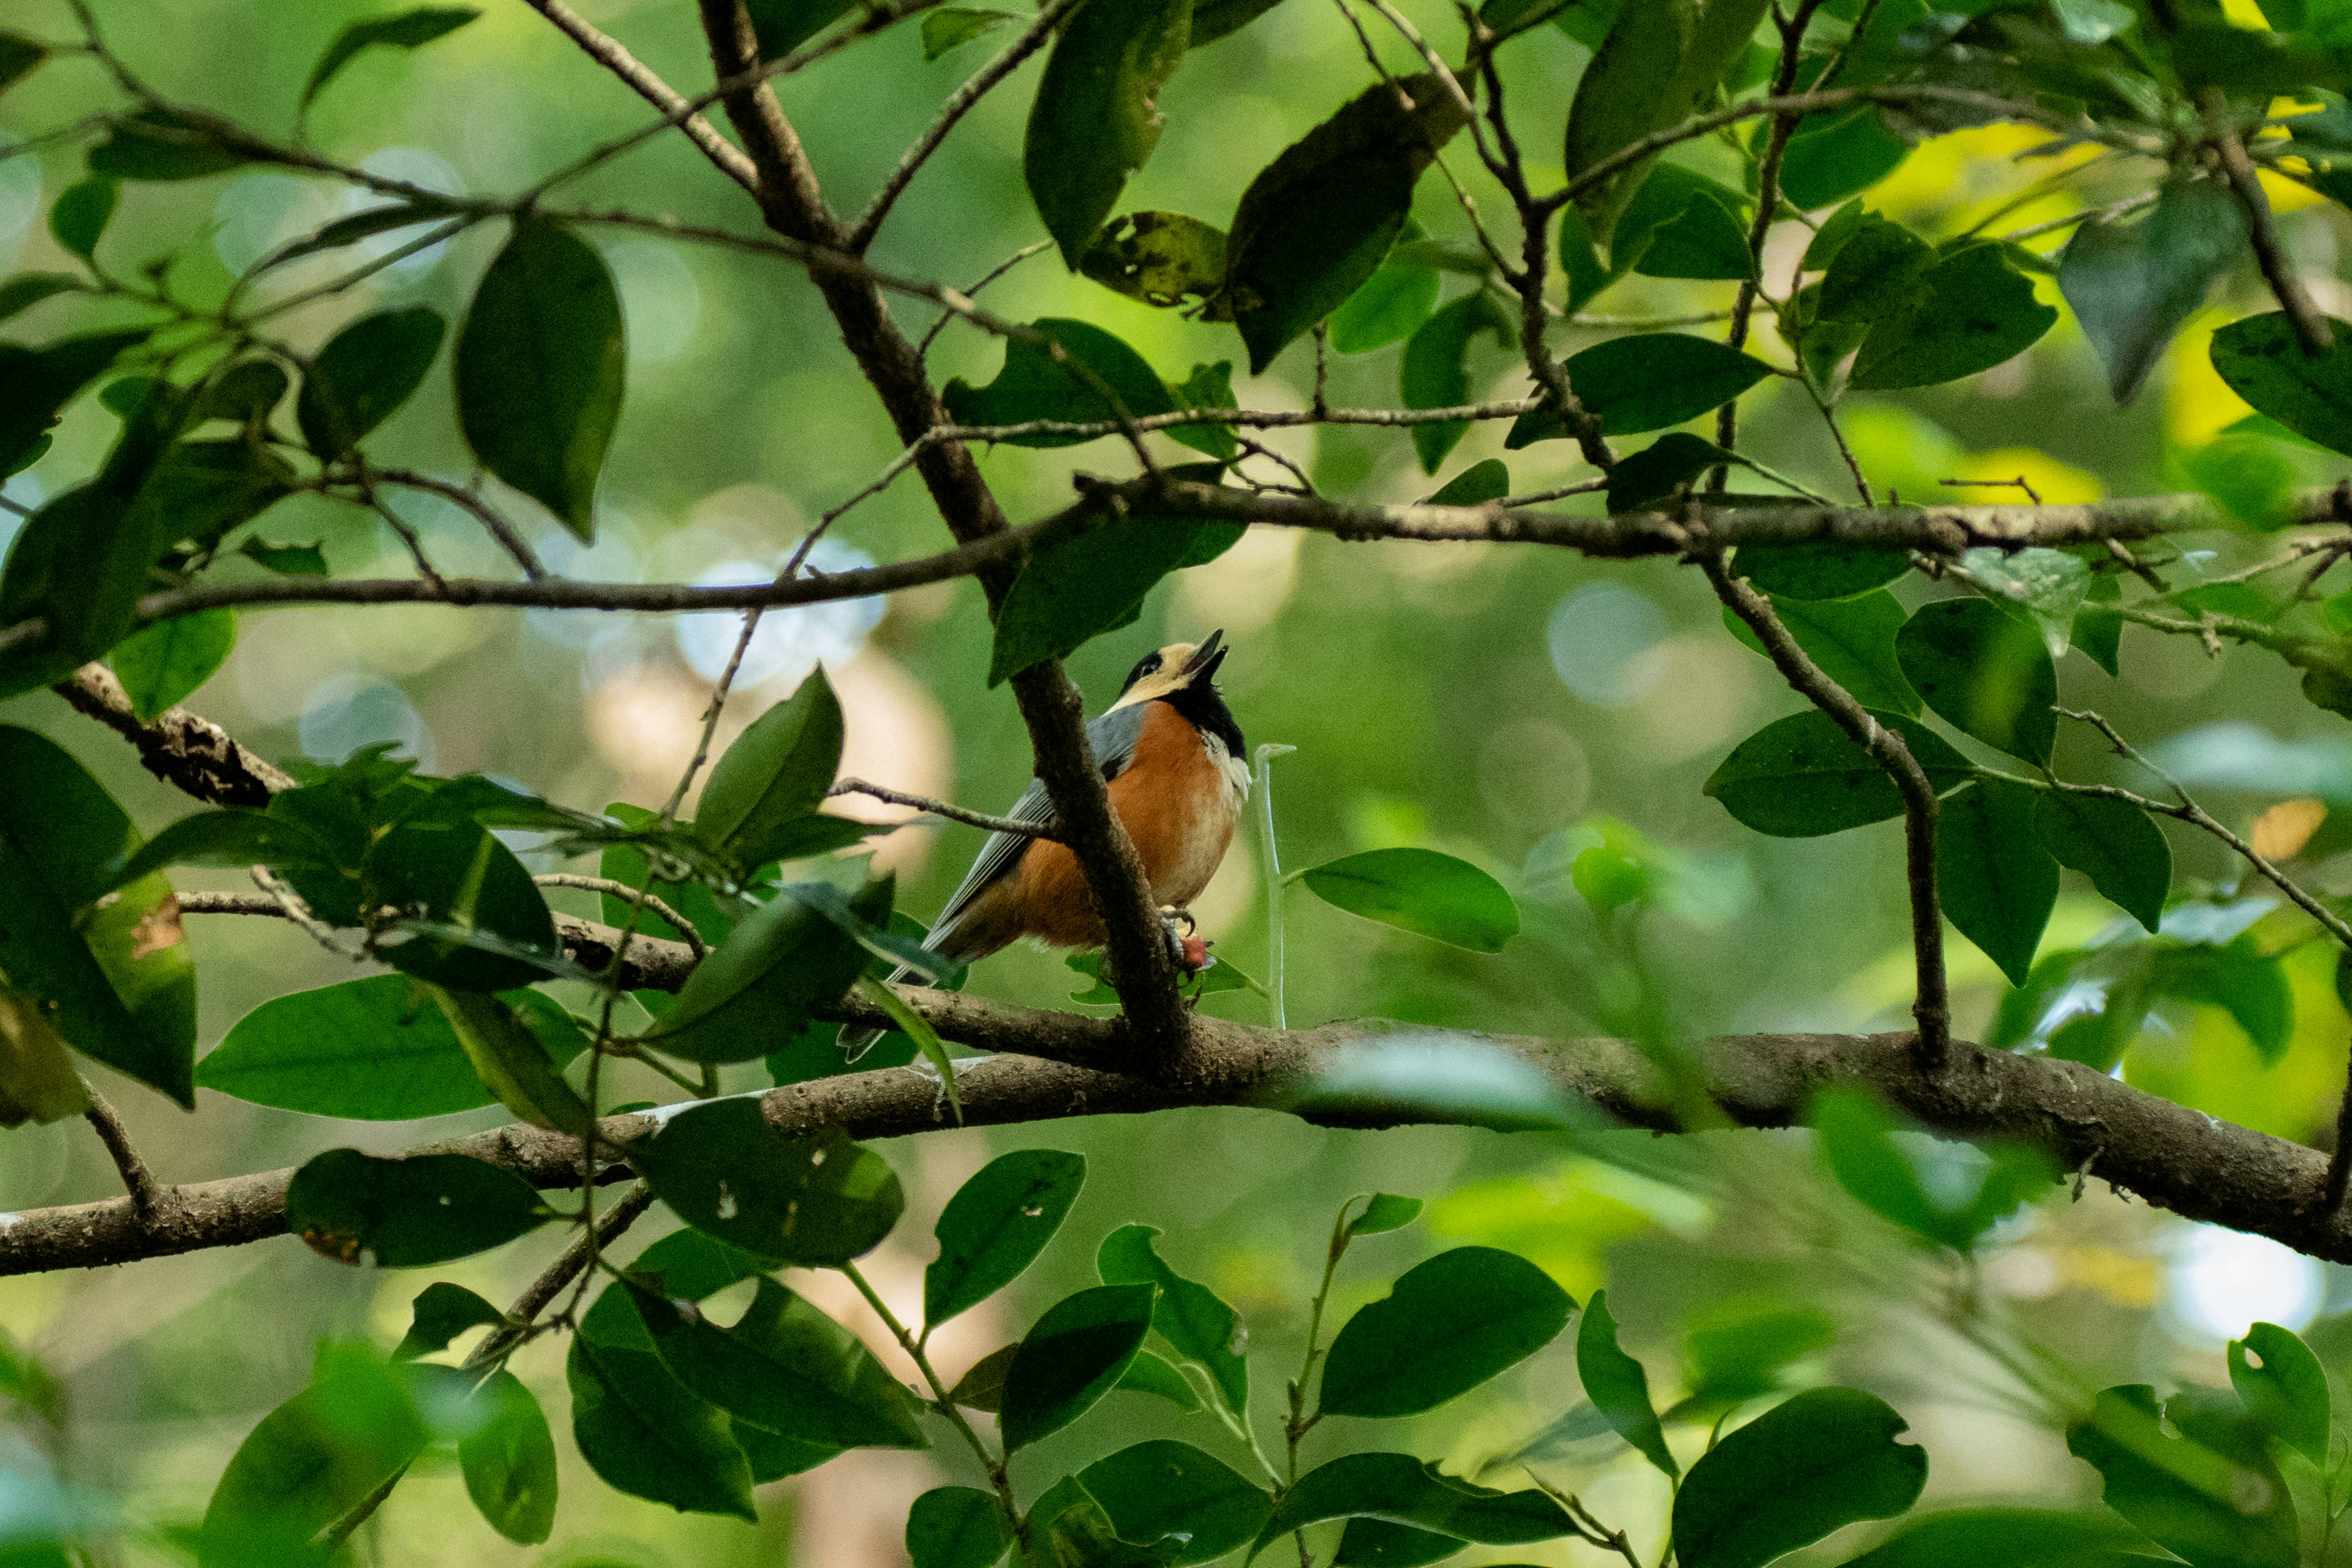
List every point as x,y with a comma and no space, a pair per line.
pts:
146,1193
951,812
2310,323
610,887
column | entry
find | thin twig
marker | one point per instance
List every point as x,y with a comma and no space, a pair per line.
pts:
951,812
2310,323
146,1193
612,888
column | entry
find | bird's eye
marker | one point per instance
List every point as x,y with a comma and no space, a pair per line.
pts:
1149,665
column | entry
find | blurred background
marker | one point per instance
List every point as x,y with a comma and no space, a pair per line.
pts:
1507,705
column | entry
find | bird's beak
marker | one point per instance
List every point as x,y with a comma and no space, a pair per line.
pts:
1203,665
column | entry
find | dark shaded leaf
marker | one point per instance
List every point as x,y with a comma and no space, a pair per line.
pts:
36,383
1618,1386
2134,284
760,986
1818,570
1449,1324
247,391
1970,312
540,368
1853,641
166,660
982,1387
783,25
1834,156
1400,1489
775,775
1802,776
2012,1537
2115,844
1645,380
363,374
996,1224
1673,461
1213,19
508,1460
1997,882
2311,394
1097,118
956,1527
1189,1315
439,1314
29,289
79,217
1075,1355
1434,373
408,1213
1682,225
1160,1488
1072,372
404,30
1824,1460
2198,1481
784,1367
1659,63
1986,672
407,213
815,1202
286,560
1376,1543
163,144
2237,977
1483,480
638,1427
18,56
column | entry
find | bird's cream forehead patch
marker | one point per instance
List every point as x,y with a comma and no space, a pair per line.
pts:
1169,677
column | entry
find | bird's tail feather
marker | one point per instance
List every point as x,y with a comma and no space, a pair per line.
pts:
857,1041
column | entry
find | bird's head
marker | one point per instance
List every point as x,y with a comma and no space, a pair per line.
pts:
1179,667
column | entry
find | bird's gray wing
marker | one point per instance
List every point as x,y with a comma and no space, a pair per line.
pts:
1113,737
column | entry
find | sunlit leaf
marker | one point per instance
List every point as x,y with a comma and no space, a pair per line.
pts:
1423,891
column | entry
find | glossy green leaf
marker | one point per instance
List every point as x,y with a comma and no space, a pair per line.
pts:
2194,1474
2114,843
777,771
1096,117
948,28
1681,223
1095,581
1618,1386
363,374
956,1527
639,1428
540,368
1802,776
403,30
1075,1355
158,144
1149,1373
1189,1315
1397,297
2285,1388
1985,671
760,986
408,1211
1318,220
2311,394
1071,372
2012,1537
785,1367
996,1224
1820,570
1647,381
691,1265
1423,891
2134,282
1160,1488
1385,1212
166,660
1487,480
373,1049
1161,258
1834,156
1448,1325
1853,641
1434,373
509,1461
1400,1489
1821,1462
1968,312
439,1314
77,218
816,1202
1997,882
1660,62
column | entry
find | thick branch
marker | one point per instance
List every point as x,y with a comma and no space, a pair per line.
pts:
192,753
2172,1156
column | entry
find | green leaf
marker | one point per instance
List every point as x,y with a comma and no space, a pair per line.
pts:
1682,225
1149,1373
310,1461
1986,672
1189,1315
982,1387
509,1461
2050,585
783,25
166,660
2115,844
787,1368
1652,475
247,391
1097,118
1095,581
1400,1489
2200,1481
1659,63
286,560
1397,297
1448,1325
2012,1537
1075,1355
1803,776
540,367
777,771
36,383
1385,1212
1423,891
1645,380
364,373
2237,977
1213,19
1737,1351
78,217
1618,1386
639,1428
1209,386
1070,373
817,1202
29,289
38,1081
232,837
18,56
1834,156
1162,258
1819,1462
996,1224
691,1265
781,964
1487,480
163,144
1853,641
509,1058
944,30
1970,312
1997,882
410,1212
374,1049
1434,373
1318,220
2283,1385
404,30
2262,362
439,1314
2134,284
956,1527
365,224
1365,1542
1818,570
1859,1144
1160,1488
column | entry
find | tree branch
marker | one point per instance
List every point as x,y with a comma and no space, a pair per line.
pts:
951,812
146,1193
608,52
2310,323
191,753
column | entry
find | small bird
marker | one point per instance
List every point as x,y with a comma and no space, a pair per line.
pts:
1174,760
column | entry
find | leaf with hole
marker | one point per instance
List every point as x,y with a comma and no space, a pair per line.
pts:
1096,117
1995,881
2194,1473
439,1314
409,1212
996,1224
1430,894
1189,1315
2284,1387
817,1202
1803,776
539,364
1449,1324
1161,258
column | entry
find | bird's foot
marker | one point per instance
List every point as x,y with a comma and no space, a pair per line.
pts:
1186,947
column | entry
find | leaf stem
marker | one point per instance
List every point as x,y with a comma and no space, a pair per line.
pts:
1270,859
